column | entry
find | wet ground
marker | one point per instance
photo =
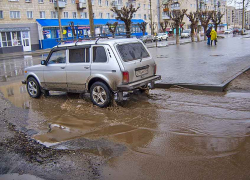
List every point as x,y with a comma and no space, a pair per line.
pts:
167,134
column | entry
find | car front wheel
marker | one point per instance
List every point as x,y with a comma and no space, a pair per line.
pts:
100,94
33,88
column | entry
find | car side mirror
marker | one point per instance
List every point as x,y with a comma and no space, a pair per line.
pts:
43,62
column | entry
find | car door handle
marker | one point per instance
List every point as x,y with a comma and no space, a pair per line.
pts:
86,67
62,67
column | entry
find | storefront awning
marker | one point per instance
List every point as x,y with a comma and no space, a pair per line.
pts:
80,22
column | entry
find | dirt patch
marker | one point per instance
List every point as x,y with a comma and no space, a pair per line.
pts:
241,83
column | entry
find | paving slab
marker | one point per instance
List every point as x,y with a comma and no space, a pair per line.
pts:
202,66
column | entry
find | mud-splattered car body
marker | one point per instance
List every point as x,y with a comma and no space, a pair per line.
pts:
100,67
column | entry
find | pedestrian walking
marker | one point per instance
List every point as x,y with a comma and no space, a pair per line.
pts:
208,35
213,37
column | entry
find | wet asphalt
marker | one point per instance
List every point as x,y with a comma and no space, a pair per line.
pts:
165,134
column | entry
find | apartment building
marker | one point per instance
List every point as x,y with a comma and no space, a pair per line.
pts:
27,25
191,6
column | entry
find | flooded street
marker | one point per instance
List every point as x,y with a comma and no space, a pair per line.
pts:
168,134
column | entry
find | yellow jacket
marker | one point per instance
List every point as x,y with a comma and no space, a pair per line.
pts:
213,35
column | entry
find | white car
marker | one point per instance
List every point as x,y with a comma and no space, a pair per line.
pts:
228,31
161,36
186,33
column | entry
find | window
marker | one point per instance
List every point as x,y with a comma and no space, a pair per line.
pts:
1,14
79,55
108,16
54,15
27,1
93,2
74,15
66,15
139,5
15,15
58,57
139,16
100,15
40,1
133,51
99,55
134,15
99,2
107,3
6,39
93,15
29,14
144,6
16,38
145,16
13,0
84,15
42,14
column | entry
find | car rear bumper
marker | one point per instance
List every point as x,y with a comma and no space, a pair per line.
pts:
137,84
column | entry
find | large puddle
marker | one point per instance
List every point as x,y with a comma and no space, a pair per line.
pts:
165,127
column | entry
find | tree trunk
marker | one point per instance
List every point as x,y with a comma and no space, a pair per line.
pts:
205,30
113,35
127,27
177,34
192,33
215,27
143,32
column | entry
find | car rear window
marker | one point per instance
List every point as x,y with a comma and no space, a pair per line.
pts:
132,51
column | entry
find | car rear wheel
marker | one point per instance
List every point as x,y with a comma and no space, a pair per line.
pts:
100,94
33,88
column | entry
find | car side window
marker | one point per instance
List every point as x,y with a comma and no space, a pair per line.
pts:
58,57
99,54
80,55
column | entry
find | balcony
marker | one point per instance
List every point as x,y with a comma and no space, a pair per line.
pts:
115,4
165,17
81,4
175,6
165,2
61,4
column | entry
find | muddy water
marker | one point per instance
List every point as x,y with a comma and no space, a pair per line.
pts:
174,134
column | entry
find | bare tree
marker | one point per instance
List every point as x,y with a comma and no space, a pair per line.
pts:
216,19
177,17
205,17
112,28
71,24
142,26
125,15
193,18
164,25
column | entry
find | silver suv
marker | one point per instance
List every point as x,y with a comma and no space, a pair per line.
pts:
101,67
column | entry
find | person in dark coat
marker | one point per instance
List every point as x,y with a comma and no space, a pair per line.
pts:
208,32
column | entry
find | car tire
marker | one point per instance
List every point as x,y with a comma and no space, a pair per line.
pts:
100,94
33,88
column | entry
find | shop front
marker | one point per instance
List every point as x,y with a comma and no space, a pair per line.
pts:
15,40
73,29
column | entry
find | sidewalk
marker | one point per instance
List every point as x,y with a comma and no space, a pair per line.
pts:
198,66
22,54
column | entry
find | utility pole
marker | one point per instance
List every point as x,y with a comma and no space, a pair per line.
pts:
59,20
197,10
243,17
159,15
91,20
151,18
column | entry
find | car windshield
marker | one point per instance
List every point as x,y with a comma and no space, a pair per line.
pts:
132,51
160,34
186,31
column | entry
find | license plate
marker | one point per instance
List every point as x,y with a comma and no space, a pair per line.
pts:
141,72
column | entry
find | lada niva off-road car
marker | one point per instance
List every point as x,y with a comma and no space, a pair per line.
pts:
101,68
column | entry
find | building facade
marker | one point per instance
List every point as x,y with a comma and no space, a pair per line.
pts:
27,25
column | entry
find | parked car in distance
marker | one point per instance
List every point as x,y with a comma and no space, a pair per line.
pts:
161,36
228,31
147,38
102,68
186,33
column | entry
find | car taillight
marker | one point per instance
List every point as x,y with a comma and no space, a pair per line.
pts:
155,69
125,77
